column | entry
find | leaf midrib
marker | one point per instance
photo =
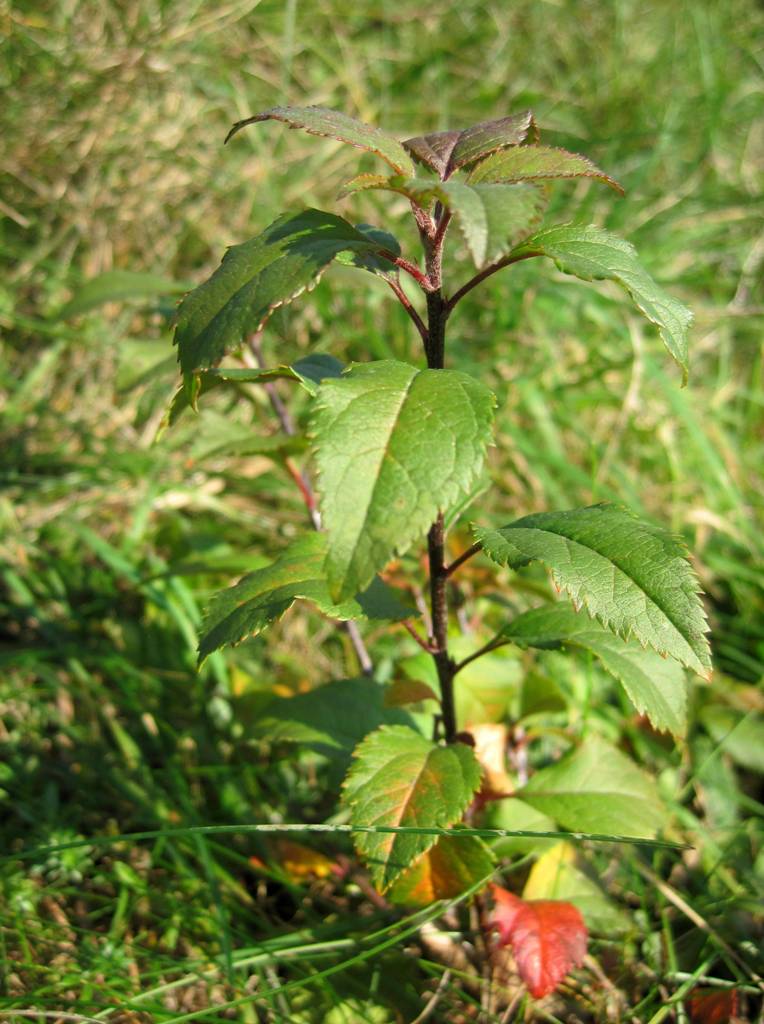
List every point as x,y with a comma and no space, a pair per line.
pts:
383,453
411,786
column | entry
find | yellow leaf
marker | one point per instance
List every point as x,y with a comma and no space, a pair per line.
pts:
298,861
545,875
490,750
445,871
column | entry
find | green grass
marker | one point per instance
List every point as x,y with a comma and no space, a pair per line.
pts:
113,121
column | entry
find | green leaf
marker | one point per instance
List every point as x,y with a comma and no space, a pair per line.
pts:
516,816
370,262
256,277
592,254
449,868
400,778
596,788
335,125
263,596
445,152
116,286
244,444
492,218
394,446
349,1011
537,163
655,686
308,372
738,733
332,719
632,576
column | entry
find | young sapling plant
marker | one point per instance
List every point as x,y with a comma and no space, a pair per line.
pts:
397,447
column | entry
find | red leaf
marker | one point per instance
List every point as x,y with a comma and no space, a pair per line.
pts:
548,938
712,1006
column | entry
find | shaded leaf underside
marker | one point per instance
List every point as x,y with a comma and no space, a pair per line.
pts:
332,718
307,372
264,595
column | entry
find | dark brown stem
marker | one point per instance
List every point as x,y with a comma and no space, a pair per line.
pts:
439,604
478,278
463,557
404,301
437,315
302,480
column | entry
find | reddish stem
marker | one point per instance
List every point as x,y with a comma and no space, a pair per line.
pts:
403,299
305,489
462,559
487,272
419,639
411,268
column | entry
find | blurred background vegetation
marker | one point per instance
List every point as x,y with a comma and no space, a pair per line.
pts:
112,160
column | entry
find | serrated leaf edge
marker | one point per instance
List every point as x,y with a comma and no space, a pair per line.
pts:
592,172
687,318
531,127
625,634
578,642
294,125
387,881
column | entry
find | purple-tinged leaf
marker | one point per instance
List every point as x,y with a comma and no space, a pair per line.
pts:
488,137
434,151
446,152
